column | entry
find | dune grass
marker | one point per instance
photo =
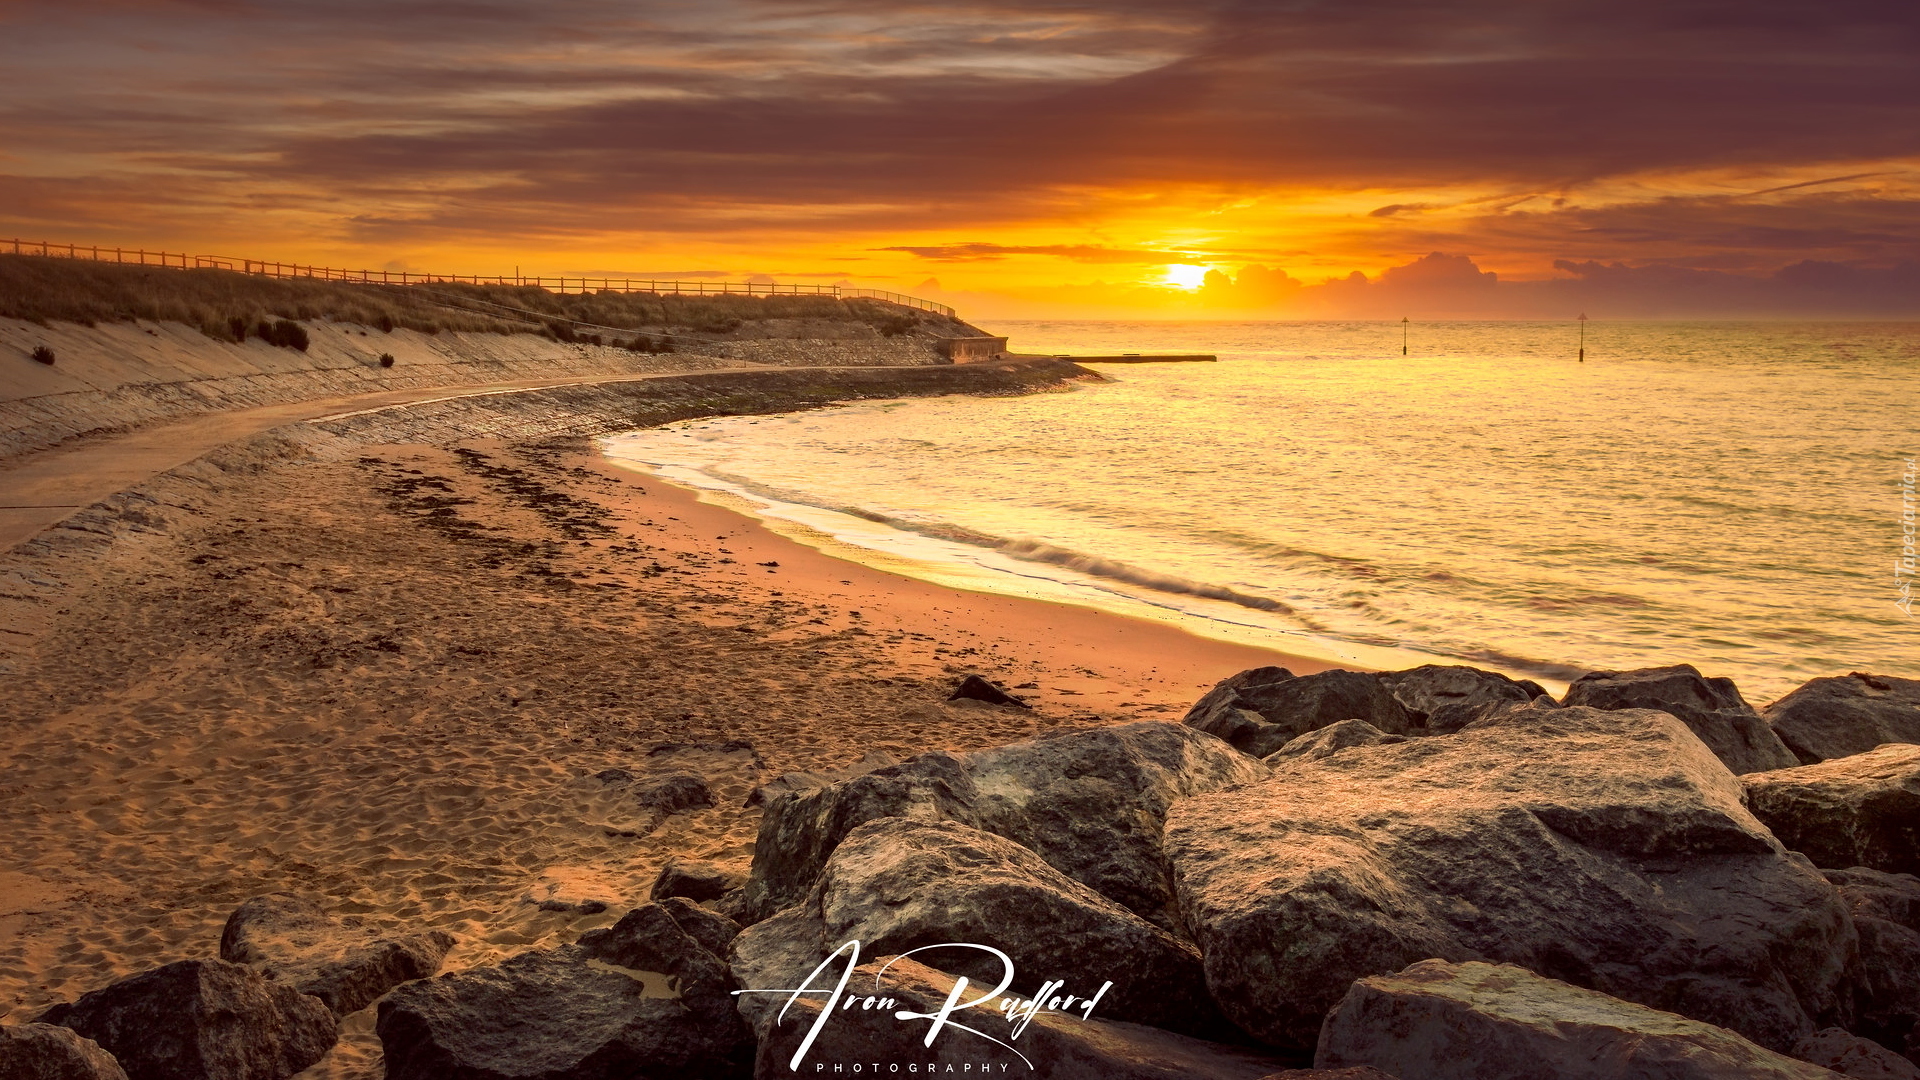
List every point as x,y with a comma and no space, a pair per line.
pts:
228,305
221,303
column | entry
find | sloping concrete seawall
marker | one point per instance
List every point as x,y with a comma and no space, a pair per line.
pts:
116,377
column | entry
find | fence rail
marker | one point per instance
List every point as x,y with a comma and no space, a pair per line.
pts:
142,257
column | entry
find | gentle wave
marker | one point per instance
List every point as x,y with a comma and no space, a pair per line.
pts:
1715,494
1032,551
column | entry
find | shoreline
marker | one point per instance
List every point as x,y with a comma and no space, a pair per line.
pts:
1067,635
413,682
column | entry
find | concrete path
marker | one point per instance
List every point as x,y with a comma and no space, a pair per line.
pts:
45,488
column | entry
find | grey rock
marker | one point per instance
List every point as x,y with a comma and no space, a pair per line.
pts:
1093,804
202,1020
1886,982
1609,849
1055,1045
1445,698
672,793
1860,810
51,1052
896,886
800,830
695,880
1837,717
1712,708
975,688
1332,739
291,940
649,938
641,999
1474,1021
1260,710
1878,894
1851,1055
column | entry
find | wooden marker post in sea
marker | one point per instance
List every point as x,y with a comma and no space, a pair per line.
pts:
1583,337
1403,333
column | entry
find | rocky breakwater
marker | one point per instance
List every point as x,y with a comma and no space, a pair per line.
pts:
1466,878
1609,849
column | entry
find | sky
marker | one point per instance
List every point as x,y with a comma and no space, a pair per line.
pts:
1048,158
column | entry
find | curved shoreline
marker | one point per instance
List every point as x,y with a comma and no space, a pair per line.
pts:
385,659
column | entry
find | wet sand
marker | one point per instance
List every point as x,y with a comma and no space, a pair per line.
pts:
393,682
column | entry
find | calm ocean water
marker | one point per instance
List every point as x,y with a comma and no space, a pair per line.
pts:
1722,494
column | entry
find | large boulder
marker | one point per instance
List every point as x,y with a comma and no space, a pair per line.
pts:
1834,718
203,1020
1262,709
896,886
1091,803
1608,849
1474,1021
1445,698
1712,708
1860,810
800,829
1058,1045
51,1052
694,879
1851,1055
640,1000
290,940
1886,983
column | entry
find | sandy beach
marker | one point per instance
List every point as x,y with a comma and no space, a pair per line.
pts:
417,684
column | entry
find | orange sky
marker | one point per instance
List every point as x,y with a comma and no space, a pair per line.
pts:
1046,159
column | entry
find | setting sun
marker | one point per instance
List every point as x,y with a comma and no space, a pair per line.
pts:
1181,276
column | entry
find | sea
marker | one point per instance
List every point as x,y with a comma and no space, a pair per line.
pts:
1723,494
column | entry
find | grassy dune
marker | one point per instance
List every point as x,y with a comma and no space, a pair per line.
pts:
228,305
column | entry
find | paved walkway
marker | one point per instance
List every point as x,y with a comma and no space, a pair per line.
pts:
45,488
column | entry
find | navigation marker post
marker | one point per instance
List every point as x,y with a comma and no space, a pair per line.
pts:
1583,337
1403,334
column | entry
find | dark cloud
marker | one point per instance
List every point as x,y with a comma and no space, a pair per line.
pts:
1727,232
1441,285
387,123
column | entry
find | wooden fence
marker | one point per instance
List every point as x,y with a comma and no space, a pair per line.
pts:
142,257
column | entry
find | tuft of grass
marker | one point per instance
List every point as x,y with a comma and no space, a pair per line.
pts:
386,359
700,315
43,354
224,305
283,332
